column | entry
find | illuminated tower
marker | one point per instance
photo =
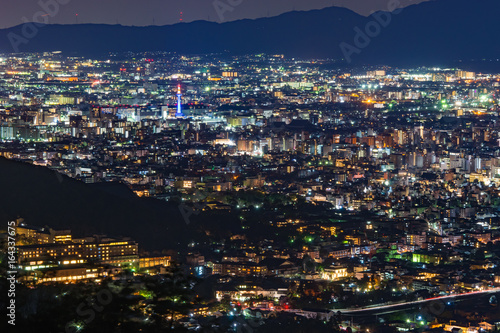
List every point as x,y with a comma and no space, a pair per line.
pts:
179,103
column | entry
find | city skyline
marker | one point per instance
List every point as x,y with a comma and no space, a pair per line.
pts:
324,170
294,191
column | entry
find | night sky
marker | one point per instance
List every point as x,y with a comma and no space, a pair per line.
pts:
161,12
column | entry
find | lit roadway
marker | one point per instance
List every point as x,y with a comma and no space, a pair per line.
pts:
382,309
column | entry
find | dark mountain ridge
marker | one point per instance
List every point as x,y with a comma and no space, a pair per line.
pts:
434,33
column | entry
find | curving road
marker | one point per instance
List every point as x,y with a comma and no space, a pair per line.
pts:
388,308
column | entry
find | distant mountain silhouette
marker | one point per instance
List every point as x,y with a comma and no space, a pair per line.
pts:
441,32
45,198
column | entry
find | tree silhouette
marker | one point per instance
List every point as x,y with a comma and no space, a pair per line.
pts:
172,295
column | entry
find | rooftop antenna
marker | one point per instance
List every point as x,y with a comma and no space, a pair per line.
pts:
76,18
180,18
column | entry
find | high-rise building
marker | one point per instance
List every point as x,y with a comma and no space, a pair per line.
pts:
464,75
179,113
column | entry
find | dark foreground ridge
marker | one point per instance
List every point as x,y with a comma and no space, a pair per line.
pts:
44,197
